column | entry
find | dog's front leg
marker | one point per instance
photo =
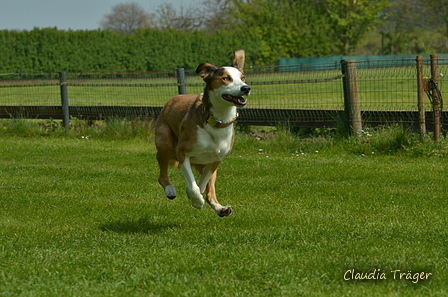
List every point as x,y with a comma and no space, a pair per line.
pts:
206,175
193,191
222,211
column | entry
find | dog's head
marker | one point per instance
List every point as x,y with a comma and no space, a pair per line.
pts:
226,84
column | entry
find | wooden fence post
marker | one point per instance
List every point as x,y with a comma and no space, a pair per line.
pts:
351,99
64,99
435,97
182,88
420,96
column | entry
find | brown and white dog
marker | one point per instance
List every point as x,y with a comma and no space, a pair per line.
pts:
197,131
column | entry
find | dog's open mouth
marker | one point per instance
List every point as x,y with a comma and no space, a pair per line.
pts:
238,101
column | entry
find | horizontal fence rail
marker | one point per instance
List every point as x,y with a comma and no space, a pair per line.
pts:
283,94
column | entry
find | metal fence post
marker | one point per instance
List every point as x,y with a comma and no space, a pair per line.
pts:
435,97
64,99
182,88
351,99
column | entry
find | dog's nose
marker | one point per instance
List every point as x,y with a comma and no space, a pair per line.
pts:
245,89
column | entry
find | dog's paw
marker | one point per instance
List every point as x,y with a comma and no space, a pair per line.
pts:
196,197
198,203
170,192
225,211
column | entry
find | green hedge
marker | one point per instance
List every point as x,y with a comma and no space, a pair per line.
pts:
50,49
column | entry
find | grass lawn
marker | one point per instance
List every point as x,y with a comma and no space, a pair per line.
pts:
86,217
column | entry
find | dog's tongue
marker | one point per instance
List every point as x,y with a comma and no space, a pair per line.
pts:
235,100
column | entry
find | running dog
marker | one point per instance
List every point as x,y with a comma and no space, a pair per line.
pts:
197,131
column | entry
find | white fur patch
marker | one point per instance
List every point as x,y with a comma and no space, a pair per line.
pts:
213,145
236,76
195,196
193,191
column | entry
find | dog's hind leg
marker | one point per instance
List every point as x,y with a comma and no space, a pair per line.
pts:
164,181
222,211
165,143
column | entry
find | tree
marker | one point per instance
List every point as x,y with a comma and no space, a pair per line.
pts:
215,14
415,26
210,16
126,18
437,15
352,19
283,28
398,33
184,19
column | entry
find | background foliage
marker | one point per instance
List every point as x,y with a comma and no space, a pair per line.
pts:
51,49
266,29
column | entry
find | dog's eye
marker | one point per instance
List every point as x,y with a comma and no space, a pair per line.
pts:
243,78
226,78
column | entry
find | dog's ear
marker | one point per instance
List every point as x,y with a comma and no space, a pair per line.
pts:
238,59
205,70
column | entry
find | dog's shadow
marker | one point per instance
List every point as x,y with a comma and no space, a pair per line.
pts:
143,225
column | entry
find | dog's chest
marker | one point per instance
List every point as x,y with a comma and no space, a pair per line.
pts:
212,145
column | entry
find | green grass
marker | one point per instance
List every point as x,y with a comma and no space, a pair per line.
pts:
85,216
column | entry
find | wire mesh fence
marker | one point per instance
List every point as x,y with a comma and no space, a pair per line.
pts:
313,96
270,88
384,88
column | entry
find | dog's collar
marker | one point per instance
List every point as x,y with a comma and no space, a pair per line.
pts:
219,124
211,119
